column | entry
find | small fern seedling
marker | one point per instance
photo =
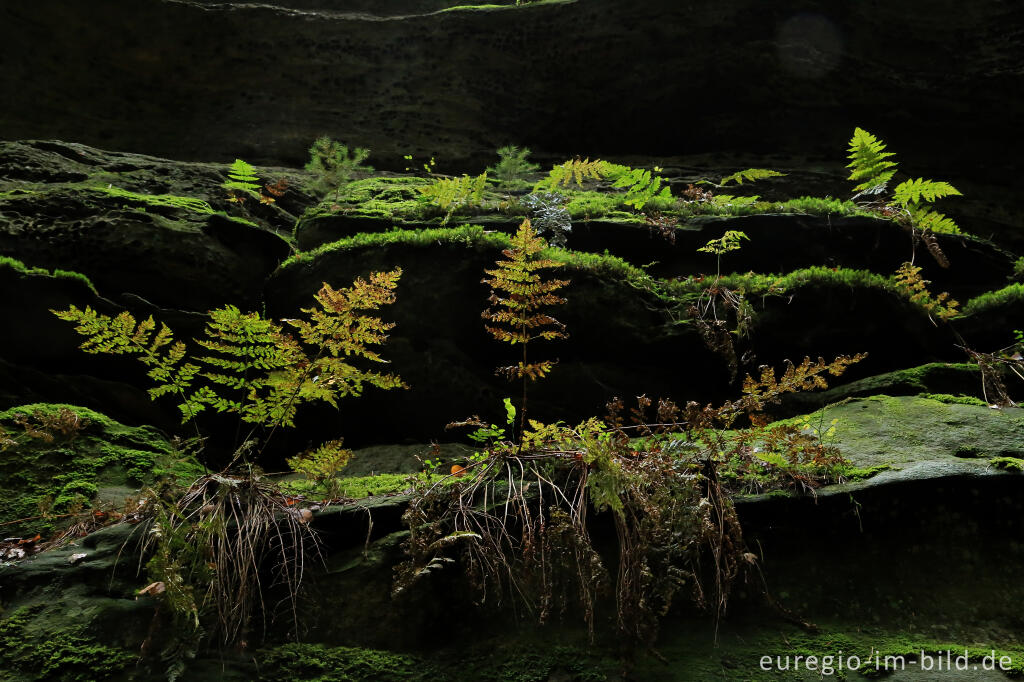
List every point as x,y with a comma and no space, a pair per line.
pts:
242,182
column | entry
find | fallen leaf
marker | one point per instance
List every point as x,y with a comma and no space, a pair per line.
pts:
153,588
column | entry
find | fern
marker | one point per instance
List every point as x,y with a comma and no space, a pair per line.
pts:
641,186
242,182
912,192
870,165
908,281
518,297
869,162
750,174
729,200
928,220
451,193
122,335
730,241
249,365
576,171
322,464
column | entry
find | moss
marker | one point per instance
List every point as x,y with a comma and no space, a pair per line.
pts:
467,235
864,473
69,655
318,663
755,284
357,487
155,200
18,266
65,473
1008,463
954,399
474,236
1012,294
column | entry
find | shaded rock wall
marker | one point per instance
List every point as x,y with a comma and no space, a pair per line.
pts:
203,80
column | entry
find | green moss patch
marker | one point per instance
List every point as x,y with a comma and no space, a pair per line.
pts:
1012,294
1008,463
882,430
18,266
470,236
59,456
318,663
72,655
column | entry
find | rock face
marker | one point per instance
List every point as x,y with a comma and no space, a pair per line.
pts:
916,552
205,80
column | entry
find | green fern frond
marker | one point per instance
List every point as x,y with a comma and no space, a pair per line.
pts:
641,186
518,292
913,191
730,241
242,180
750,174
869,162
322,463
926,219
451,193
573,171
251,367
122,335
726,200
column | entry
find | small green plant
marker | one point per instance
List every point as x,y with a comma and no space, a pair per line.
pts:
727,243
908,281
640,185
512,169
575,170
322,464
749,175
518,517
334,164
518,298
451,194
869,165
242,182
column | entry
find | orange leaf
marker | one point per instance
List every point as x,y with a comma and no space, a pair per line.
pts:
458,470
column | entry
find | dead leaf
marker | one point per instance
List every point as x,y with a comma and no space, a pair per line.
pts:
154,588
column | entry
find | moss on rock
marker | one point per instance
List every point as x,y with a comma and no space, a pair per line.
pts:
40,478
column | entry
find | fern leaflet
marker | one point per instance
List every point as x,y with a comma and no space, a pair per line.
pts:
869,162
928,220
912,192
750,174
